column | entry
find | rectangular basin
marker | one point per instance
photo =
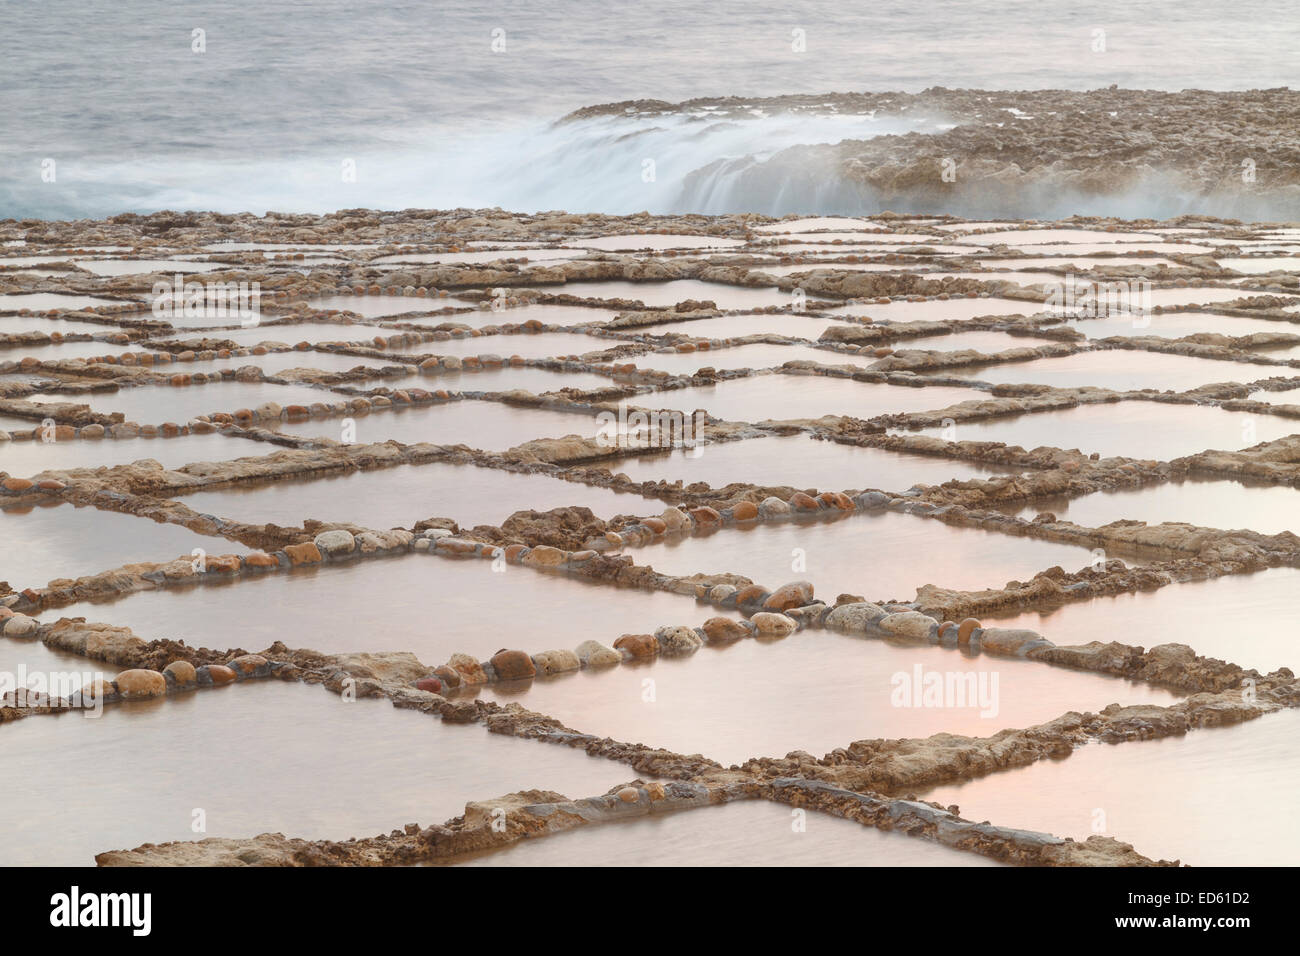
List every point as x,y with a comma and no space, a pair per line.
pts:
155,404
1167,797
399,496
429,605
877,555
492,426
813,691
1119,369
800,462
762,397
795,325
46,542
1240,618
664,295
939,310
27,458
744,833
1229,505
1132,429
252,757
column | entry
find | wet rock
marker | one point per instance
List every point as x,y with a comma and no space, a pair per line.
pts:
678,640
431,684
596,654
836,501
215,675
629,794
448,676
335,542
638,646
469,669
802,502
513,665
719,593
795,594
856,618
260,559
909,624
965,629
773,625
745,511
751,597
140,684
773,508
723,630
250,665
675,519
545,556
20,625
556,662
300,554
706,518
182,673
1014,642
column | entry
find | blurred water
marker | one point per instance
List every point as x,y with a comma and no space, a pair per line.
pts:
413,92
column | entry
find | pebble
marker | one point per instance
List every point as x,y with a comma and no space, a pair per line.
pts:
556,662
638,646
773,625
20,625
139,684
795,594
335,542
431,684
182,672
596,654
723,630
965,629
678,640
513,665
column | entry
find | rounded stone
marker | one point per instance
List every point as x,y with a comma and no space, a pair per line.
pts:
20,625
513,665
335,542
596,654
723,630
706,517
431,684
675,519
773,625
678,640
656,791
745,511
965,629
139,684
802,502
629,794
773,507
638,646
219,674
795,594
556,662
250,665
183,673
303,553
448,676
